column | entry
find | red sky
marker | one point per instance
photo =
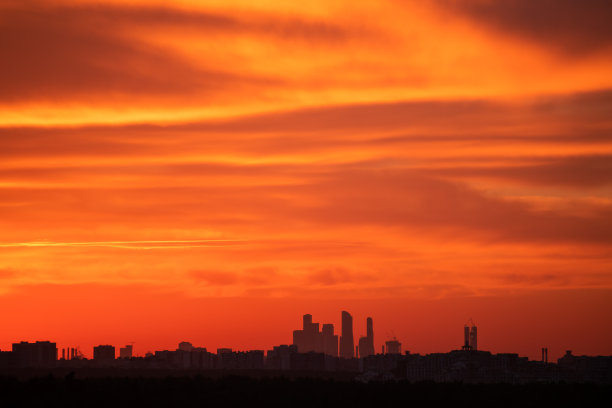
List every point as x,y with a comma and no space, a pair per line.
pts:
210,171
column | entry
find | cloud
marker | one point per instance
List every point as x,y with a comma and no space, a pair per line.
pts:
214,278
337,276
574,28
83,53
575,172
369,131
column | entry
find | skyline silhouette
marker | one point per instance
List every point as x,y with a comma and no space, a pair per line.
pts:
318,351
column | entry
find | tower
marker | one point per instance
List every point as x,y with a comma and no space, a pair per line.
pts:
330,340
466,337
366,344
370,331
347,345
470,336
473,338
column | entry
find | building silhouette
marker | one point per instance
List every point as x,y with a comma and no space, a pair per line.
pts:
126,352
330,340
185,346
279,358
39,354
393,346
315,353
310,339
473,338
347,345
366,343
470,336
104,353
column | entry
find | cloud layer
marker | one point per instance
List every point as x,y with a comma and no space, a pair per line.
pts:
375,150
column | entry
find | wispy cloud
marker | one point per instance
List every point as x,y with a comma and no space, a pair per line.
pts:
180,244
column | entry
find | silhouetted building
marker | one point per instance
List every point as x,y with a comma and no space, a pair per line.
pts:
393,347
126,352
279,358
310,339
241,360
308,361
470,337
596,369
347,345
202,359
185,346
466,338
330,340
473,338
39,354
366,344
104,353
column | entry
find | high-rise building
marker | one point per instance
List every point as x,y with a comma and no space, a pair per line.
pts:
41,353
330,340
347,344
470,336
126,352
310,338
104,353
185,346
394,347
366,344
466,337
473,338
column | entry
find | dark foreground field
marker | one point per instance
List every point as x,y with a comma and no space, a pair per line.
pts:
201,391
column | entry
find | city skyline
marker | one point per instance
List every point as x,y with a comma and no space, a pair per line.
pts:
316,351
207,170
311,337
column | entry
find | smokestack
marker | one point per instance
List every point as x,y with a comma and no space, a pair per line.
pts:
545,355
466,337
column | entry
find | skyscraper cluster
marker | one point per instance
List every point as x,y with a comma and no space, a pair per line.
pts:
310,338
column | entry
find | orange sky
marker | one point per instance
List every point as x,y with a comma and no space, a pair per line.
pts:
211,170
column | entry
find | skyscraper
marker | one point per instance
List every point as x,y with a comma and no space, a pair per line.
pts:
366,344
41,353
310,338
330,340
470,336
347,345
473,338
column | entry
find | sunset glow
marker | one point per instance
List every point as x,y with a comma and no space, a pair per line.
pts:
211,170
